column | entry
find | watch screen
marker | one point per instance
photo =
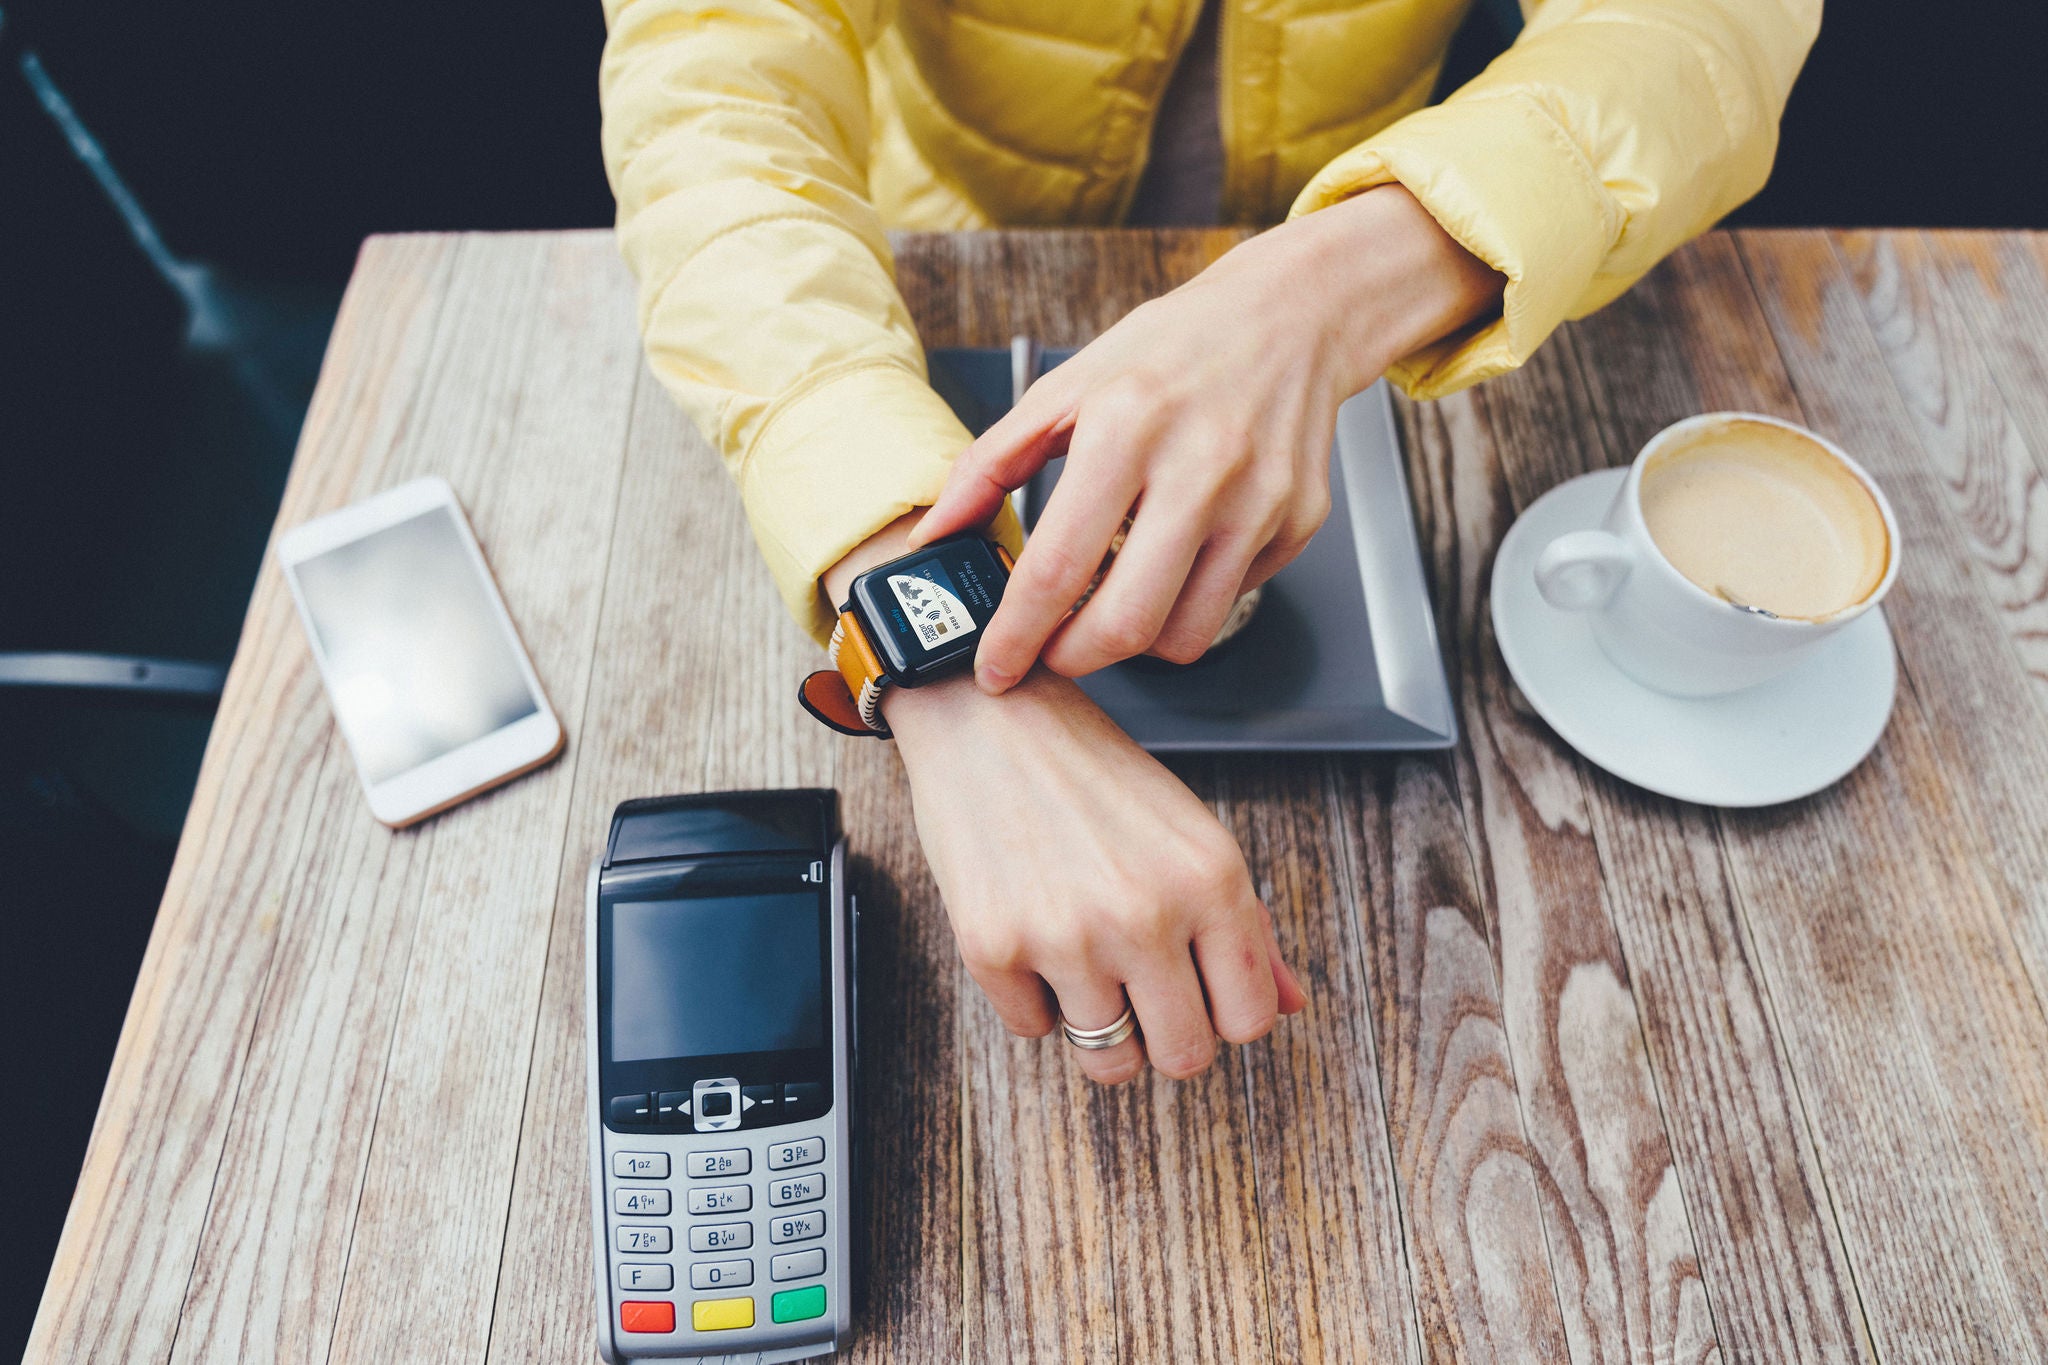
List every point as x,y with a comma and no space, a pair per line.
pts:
931,603
929,608
707,975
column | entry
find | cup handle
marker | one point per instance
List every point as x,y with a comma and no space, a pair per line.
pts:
1582,570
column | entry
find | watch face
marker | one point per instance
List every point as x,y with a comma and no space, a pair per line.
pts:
925,611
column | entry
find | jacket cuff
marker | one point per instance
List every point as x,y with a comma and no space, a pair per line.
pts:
836,462
1505,180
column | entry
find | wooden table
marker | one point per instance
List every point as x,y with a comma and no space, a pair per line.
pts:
1588,1075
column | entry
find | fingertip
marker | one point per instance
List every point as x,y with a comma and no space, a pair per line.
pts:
1293,995
992,680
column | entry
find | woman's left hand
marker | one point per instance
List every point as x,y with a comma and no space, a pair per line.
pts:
1209,411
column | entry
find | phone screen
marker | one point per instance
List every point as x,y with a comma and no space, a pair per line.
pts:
418,660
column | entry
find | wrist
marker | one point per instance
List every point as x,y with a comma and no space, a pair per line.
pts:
1390,279
891,542
928,721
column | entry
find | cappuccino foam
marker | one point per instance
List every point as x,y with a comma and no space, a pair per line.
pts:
1765,517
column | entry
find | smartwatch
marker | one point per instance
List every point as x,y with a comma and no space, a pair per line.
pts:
904,624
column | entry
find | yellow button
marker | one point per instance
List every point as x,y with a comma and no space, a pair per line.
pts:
721,1315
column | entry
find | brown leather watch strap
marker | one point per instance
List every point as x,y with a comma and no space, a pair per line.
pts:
848,696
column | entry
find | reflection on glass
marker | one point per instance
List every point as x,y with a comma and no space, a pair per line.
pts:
418,663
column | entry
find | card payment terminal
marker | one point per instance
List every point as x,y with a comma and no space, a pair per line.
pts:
719,996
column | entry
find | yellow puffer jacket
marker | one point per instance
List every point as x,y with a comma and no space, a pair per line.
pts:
759,148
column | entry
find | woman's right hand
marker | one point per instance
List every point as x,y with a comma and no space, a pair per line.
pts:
1076,871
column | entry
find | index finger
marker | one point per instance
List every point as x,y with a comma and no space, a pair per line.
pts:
1061,558
1002,458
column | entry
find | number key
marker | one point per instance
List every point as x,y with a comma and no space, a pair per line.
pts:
796,1227
803,1152
640,1165
722,1274
644,1241
722,1199
797,1189
640,1202
735,1161
722,1237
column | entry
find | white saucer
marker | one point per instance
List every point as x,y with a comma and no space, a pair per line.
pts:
1777,741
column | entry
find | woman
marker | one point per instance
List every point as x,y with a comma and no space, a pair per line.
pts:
760,148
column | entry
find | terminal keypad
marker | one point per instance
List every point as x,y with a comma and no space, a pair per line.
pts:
719,1243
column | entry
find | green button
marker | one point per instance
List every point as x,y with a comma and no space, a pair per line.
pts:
794,1305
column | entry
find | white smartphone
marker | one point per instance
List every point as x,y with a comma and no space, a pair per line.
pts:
429,683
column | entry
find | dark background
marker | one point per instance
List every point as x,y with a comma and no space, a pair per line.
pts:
138,477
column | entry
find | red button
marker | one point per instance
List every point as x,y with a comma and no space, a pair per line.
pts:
647,1317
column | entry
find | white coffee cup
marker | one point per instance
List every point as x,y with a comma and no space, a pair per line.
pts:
1660,627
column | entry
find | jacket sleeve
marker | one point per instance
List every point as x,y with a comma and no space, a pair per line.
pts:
1610,133
736,142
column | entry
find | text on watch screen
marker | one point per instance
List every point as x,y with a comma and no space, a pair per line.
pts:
716,974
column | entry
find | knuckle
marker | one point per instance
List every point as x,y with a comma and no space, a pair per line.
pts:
1210,871
991,949
1141,922
1049,566
1180,646
1122,630
1128,404
1303,522
1268,487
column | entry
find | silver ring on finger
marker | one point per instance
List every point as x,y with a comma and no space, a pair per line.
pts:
1108,1036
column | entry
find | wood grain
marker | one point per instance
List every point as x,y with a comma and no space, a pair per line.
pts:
1829,916
1773,1268
1998,283
1587,1074
118,1287
540,481
1993,484
1620,1243
1470,1184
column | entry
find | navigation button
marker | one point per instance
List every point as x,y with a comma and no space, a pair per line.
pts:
670,1103
717,1105
630,1111
763,1096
